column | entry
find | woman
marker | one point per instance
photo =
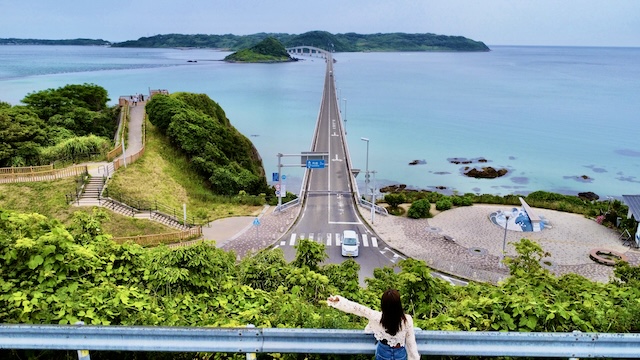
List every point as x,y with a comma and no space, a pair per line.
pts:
392,327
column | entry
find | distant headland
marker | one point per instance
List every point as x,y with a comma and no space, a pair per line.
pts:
348,42
269,50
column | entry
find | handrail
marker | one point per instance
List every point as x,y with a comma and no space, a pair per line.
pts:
313,341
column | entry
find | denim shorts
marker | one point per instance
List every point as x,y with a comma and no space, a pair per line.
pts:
386,352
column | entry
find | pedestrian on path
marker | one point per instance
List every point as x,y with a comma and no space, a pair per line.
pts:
391,327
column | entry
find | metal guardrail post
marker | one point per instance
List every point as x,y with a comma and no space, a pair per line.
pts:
83,354
251,356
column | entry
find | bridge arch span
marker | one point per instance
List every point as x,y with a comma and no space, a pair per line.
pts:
308,51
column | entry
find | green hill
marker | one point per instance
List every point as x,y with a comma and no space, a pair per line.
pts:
267,50
348,42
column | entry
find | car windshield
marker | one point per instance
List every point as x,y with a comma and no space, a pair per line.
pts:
350,241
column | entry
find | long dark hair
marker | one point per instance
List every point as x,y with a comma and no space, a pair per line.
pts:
392,313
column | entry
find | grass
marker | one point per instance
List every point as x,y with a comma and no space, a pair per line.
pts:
165,175
47,198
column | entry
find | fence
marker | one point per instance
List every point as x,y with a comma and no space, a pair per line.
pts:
312,341
120,132
157,239
25,169
46,175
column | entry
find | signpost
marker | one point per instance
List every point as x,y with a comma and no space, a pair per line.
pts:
308,159
315,164
256,223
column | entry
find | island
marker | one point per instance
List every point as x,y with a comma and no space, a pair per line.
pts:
82,42
269,50
348,42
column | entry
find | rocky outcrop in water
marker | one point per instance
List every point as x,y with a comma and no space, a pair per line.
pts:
485,172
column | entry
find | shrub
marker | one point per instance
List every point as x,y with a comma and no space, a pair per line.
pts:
419,209
394,200
461,200
444,204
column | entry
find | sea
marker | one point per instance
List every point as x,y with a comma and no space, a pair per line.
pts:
559,119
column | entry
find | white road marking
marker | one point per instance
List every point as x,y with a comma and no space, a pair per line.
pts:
374,242
328,239
338,240
365,241
293,240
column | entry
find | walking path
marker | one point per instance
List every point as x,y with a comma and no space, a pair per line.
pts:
474,243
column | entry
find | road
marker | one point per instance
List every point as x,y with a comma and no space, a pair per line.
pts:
329,207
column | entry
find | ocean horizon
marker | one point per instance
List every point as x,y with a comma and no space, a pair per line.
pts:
559,119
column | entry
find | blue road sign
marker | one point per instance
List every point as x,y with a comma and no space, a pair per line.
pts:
284,177
274,177
256,222
315,164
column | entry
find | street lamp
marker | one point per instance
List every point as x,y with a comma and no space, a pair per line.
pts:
504,241
373,196
366,172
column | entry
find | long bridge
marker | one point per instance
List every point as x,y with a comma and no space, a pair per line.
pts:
308,51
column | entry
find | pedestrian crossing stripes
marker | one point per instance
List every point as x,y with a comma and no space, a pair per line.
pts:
329,239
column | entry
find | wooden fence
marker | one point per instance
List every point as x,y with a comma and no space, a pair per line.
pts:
122,124
46,175
25,169
157,239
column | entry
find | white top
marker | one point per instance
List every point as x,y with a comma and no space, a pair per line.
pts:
405,336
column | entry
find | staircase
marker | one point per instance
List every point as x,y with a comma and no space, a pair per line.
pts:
91,192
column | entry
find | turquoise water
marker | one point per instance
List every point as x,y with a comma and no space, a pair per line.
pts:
550,115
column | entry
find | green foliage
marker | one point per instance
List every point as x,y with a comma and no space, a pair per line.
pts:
444,204
419,209
309,254
51,275
321,39
75,148
22,134
50,117
267,50
198,126
394,200
50,102
462,200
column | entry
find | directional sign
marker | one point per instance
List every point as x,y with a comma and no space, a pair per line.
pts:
256,222
315,164
274,177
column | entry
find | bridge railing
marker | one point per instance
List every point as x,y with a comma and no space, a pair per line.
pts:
312,341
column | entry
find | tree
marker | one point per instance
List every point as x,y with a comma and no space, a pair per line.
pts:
394,200
22,135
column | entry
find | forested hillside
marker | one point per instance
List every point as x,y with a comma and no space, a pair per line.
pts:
322,39
65,124
199,127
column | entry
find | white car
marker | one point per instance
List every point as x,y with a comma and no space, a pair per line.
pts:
350,243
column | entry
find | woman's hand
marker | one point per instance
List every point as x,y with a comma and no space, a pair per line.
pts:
333,299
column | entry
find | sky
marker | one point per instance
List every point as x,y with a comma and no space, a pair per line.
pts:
495,22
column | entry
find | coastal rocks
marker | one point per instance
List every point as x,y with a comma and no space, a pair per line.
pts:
465,161
418,162
399,188
485,172
589,196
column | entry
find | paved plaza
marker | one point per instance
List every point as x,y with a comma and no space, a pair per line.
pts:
462,241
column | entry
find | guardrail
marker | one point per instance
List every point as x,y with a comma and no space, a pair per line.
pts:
289,204
379,209
313,341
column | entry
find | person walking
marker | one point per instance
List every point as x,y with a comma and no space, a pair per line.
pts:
391,327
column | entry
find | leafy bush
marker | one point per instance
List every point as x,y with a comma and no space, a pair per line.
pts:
461,200
394,200
419,209
75,148
444,204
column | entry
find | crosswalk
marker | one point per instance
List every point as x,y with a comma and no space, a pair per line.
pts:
329,239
